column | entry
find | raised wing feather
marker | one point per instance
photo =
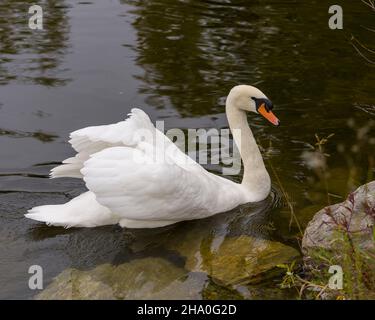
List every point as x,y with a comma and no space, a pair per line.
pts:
90,140
134,186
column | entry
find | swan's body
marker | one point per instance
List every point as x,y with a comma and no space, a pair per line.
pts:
127,185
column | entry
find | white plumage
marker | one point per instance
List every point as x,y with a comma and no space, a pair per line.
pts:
138,178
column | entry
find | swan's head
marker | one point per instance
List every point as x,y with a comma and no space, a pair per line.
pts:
251,99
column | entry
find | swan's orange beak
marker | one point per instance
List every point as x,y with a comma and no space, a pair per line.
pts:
268,114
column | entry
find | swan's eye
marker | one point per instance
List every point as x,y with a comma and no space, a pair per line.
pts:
267,103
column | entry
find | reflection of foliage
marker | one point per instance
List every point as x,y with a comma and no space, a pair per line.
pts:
190,55
192,52
32,55
39,135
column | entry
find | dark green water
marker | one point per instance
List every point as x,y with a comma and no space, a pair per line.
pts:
177,60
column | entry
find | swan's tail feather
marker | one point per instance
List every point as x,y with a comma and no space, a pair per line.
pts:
82,211
70,168
66,171
52,215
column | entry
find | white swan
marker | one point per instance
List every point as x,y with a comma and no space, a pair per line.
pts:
127,186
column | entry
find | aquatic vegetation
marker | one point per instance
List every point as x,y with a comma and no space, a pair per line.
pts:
370,109
341,247
339,235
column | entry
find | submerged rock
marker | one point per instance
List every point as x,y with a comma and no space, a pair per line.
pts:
218,257
233,249
235,260
246,260
148,278
355,217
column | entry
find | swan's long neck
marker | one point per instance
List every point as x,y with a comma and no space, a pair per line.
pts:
256,179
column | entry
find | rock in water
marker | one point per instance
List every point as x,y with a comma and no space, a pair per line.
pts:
202,259
245,260
148,278
342,235
235,260
355,217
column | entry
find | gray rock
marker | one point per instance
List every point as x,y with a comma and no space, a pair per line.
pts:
355,216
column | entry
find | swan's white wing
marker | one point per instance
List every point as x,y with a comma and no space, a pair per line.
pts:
90,140
134,186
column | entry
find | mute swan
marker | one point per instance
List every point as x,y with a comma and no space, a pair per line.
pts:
150,194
